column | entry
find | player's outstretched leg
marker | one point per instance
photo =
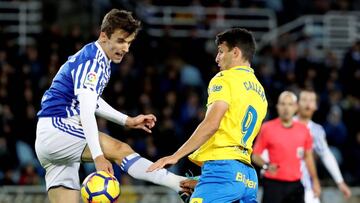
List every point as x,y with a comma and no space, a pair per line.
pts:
132,163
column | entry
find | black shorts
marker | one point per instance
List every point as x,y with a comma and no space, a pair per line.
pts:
282,191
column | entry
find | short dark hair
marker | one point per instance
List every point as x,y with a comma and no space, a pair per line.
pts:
119,19
238,37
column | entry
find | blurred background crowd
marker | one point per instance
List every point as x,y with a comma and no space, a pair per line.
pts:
168,77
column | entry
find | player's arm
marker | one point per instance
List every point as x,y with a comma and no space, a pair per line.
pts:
86,79
87,103
203,132
109,113
259,146
310,165
330,163
257,160
145,122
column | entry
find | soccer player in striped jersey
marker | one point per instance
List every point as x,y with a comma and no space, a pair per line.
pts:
307,107
223,141
67,131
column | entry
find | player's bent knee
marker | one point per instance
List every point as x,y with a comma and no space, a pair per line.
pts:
110,144
114,149
124,147
117,150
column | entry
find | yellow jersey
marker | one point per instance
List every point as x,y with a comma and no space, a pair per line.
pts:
244,94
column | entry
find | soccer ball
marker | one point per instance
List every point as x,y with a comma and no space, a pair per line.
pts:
100,187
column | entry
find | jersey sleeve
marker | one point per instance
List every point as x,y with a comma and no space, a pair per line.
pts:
320,144
219,89
260,142
322,149
87,102
109,113
88,75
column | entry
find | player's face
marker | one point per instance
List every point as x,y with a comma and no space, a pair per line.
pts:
307,104
117,45
286,107
224,57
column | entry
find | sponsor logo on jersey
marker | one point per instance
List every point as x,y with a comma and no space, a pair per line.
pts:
196,200
91,77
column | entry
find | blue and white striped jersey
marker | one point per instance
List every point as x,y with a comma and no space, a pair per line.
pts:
319,137
89,69
321,148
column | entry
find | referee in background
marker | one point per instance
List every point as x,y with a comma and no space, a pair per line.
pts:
288,142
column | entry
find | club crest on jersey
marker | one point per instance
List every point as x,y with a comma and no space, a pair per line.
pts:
91,79
216,88
300,152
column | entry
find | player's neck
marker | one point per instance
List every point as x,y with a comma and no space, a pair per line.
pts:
241,63
303,120
238,62
103,48
286,123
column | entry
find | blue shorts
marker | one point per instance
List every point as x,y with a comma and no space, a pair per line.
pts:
226,181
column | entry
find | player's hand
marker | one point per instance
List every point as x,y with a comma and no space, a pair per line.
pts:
102,164
163,162
345,190
272,169
188,185
316,188
145,122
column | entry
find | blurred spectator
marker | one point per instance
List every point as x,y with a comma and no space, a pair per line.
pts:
190,76
336,131
190,108
354,164
285,64
8,163
29,176
8,178
351,70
